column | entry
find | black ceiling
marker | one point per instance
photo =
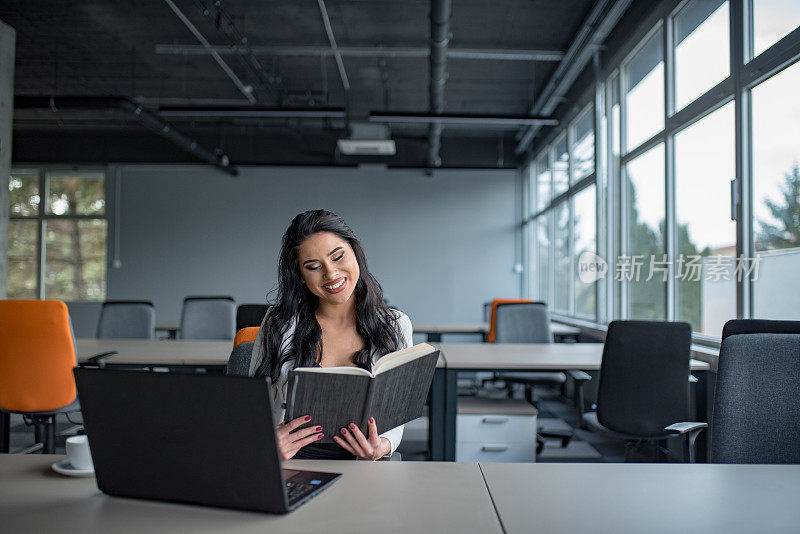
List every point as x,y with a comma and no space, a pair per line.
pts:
109,47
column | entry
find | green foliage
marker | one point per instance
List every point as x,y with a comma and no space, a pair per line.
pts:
785,234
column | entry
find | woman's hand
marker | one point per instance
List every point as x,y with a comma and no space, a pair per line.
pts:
354,442
290,440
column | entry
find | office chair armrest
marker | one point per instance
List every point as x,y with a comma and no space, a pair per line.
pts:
691,430
98,360
580,379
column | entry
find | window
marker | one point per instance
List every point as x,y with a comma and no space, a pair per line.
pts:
561,258
70,229
560,166
702,48
772,20
776,194
583,145
543,251
644,93
543,183
704,168
585,240
645,236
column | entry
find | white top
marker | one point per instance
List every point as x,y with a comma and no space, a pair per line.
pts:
394,435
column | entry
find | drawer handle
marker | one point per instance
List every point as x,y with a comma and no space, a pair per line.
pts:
495,420
494,448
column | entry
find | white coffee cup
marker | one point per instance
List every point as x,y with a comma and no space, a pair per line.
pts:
78,452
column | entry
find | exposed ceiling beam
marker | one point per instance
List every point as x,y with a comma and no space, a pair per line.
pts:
334,49
602,18
367,51
247,112
246,90
509,121
149,120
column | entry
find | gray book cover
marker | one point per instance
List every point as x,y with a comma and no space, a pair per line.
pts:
393,397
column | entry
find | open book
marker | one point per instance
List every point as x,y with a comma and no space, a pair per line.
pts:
393,393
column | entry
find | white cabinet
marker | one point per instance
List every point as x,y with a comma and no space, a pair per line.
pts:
495,430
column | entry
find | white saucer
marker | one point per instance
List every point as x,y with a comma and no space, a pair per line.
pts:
63,467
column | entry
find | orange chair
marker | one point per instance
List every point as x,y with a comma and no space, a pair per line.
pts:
37,355
245,334
493,318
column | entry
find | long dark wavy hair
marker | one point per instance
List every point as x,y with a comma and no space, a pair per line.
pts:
375,322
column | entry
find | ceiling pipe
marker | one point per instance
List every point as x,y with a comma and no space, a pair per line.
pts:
602,18
440,38
508,121
248,112
366,51
334,49
246,90
148,119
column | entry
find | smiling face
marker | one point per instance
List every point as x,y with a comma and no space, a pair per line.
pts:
329,268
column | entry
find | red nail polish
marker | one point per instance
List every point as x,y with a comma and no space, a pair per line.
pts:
321,436
371,420
318,428
308,418
344,431
352,426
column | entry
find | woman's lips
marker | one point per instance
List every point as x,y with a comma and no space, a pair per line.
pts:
336,286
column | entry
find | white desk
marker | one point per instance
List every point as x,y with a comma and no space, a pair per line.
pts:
668,498
434,330
157,352
401,497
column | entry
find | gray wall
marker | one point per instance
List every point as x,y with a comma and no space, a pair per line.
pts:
440,245
7,51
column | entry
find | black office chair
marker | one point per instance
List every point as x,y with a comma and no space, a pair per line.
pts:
134,319
250,315
756,417
644,384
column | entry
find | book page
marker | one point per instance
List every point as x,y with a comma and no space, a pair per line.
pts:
344,370
398,358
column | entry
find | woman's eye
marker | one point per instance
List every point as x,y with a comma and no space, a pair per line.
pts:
313,268
339,257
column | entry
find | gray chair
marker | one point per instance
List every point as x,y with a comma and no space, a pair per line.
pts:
239,360
643,385
208,318
127,319
756,417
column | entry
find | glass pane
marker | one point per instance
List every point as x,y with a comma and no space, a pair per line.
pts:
23,257
776,194
772,20
644,97
23,193
76,259
560,167
702,49
704,168
583,147
543,183
645,239
585,233
543,267
561,251
76,193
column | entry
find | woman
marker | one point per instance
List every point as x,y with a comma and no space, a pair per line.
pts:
329,311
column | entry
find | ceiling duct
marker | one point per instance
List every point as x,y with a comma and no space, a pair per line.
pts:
367,139
440,38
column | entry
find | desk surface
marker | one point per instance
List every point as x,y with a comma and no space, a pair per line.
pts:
543,356
369,497
670,498
162,352
481,328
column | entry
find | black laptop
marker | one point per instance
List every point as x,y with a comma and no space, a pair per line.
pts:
204,439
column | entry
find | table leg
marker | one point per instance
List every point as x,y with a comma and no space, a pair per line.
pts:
436,398
5,431
701,414
450,412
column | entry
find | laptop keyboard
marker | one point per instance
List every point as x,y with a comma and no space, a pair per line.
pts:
296,491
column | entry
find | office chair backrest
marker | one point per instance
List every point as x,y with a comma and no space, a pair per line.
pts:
127,319
492,335
239,360
527,322
756,416
644,376
208,318
37,354
246,334
250,315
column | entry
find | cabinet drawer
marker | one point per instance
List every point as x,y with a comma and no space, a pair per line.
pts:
496,452
496,428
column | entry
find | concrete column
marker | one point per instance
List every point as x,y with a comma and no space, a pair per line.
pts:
8,39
